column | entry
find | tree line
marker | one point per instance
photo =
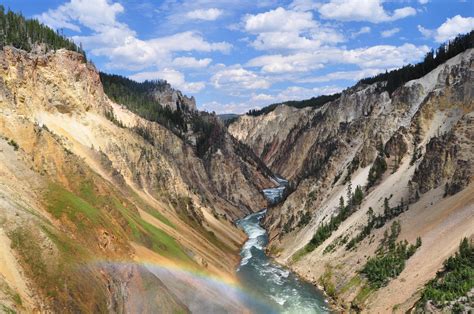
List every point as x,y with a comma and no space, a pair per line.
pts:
394,79
314,102
446,51
138,97
390,259
22,33
454,281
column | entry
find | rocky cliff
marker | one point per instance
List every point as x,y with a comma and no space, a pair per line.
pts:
170,97
410,152
92,193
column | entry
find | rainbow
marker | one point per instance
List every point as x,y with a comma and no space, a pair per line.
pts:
197,288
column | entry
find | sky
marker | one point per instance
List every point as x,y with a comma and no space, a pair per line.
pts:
238,55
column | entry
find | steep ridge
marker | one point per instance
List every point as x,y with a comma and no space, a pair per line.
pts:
90,191
410,152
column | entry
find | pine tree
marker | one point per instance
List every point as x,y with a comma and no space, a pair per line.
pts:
349,194
341,204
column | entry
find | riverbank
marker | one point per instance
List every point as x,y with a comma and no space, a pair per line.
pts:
274,287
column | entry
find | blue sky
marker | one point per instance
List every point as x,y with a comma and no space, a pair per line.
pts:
237,55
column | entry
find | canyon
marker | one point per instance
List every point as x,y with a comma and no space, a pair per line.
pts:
109,206
422,133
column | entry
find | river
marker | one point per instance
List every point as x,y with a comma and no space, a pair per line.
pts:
276,287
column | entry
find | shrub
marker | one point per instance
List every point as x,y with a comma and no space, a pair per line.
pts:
455,280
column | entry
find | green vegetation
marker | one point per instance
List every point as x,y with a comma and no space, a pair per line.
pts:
58,275
353,283
5,309
340,240
353,166
398,77
326,281
304,219
455,280
390,259
377,221
88,209
363,294
17,299
111,117
326,229
24,33
394,78
138,97
150,236
152,211
210,132
377,170
416,141
79,211
314,102
13,144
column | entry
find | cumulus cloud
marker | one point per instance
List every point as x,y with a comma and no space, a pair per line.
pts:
229,107
204,14
191,62
236,77
390,32
362,10
380,56
342,75
449,29
294,41
276,64
279,20
136,54
258,100
282,29
361,31
299,93
175,78
117,42
97,16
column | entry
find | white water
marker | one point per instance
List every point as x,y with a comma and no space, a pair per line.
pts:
275,286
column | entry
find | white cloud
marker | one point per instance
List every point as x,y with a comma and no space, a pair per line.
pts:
277,64
423,1
191,62
236,77
279,20
118,43
294,41
389,32
259,98
381,56
361,31
262,99
97,16
175,78
304,5
449,29
231,107
136,54
362,10
426,32
211,14
282,29
342,75
300,93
